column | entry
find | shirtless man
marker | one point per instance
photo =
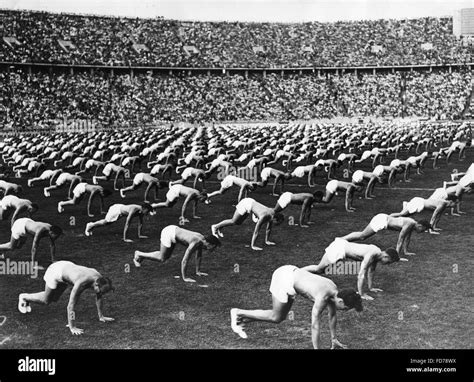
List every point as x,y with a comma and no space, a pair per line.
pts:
151,182
287,282
191,172
24,227
369,254
12,202
279,176
332,188
10,188
230,180
117,211
418,204
194,242
260,214
80,191
109,169
380,222
49,175
304,199
58,277
308,170
190,194
61,181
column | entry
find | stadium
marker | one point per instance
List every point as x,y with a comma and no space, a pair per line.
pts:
128,110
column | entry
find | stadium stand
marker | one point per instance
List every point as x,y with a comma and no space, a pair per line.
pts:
27,100
113,41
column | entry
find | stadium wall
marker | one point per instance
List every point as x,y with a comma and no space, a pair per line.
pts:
190,71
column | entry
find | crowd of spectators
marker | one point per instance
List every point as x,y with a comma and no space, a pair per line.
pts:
442,94
30,99
100,40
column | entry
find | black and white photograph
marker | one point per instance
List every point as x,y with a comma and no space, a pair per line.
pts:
237,175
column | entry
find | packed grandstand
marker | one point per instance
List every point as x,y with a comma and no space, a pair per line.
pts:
320,144
60,66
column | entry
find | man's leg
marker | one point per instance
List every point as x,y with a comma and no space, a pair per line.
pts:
127,189
46,297
162,255
275,315
237,219
361,235
9,246
92,225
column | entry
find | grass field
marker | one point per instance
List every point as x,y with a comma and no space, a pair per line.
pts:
424,303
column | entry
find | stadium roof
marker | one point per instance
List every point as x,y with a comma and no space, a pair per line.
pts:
250,10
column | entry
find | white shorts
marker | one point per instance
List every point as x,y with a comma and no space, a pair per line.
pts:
279,154
114,213
173,193
282,284
187,173
395,163
358,176
466,180
54,274
244,207
336,250
79,190
379,222
168,236
267,152
365,155
265,174
439,193
332,186
252,163
285,199
138,179
228,182
107,169
89,163
412,160
47,174
378,171
455,145
319,162
216,163
414,205
32,165
62,179
298,172
19,228
156,168
8,201
77,161
341,157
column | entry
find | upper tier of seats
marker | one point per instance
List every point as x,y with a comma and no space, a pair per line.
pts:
78,39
